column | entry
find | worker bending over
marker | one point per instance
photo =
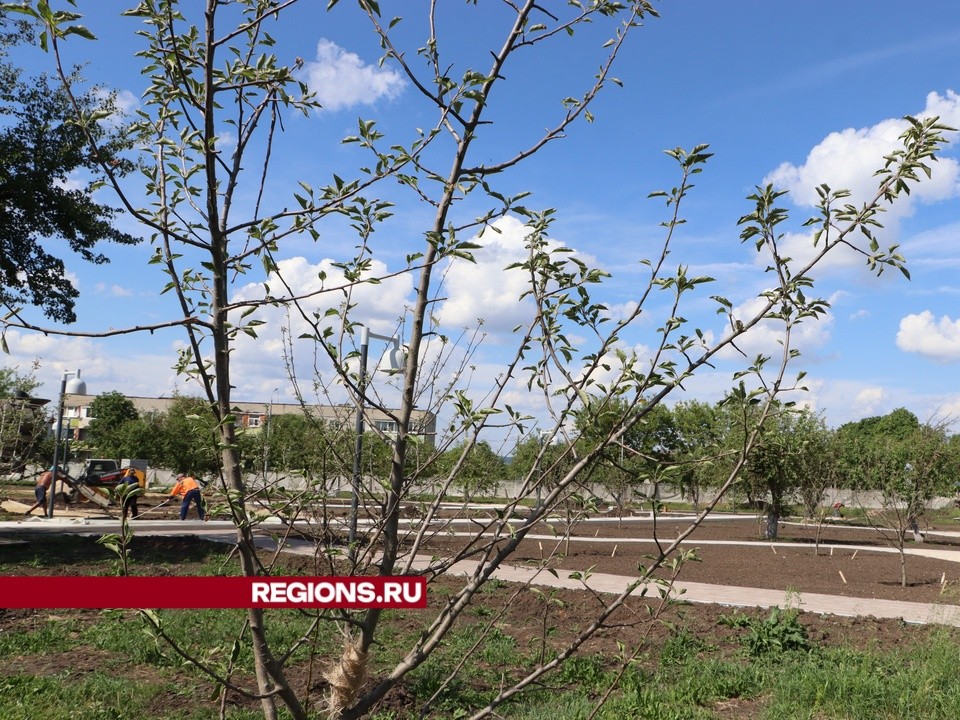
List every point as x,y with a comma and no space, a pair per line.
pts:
188,489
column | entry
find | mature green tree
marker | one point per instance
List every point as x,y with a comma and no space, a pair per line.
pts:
910,468
895,427
189,434
540,463
23,424
14,383
898,424
700,433
214,67
792,454
480,469
639,454
48,175
816,454
110,412
305,445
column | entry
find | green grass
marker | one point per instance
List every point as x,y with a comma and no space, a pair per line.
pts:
912,683
55,635
691,677
89,665
95,695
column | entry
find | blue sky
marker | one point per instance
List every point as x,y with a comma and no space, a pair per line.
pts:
795,93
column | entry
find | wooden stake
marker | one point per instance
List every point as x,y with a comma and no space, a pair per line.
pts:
842,577
774,549
597,532
854,553
943,581
614,553
831,552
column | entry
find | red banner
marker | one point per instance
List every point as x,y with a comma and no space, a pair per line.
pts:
213,592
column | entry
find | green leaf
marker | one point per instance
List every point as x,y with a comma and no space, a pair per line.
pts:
80,30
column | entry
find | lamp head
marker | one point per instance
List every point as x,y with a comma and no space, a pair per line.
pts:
395,359
75,386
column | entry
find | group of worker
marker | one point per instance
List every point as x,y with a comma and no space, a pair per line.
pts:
186,488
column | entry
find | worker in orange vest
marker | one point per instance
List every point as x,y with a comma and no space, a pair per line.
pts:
188,489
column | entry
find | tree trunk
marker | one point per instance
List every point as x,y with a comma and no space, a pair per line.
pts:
773,523
917,535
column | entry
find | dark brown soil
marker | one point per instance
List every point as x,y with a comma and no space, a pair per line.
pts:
852,562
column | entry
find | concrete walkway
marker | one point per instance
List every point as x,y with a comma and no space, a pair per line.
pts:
911,612
223,531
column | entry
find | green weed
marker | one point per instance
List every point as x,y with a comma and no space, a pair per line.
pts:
681,647
781,631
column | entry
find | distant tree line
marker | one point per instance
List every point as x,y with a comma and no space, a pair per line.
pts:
689,446
185,438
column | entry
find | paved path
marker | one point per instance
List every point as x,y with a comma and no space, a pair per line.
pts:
748,597
223,531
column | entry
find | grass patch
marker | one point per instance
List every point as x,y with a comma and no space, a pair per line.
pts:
102,665
916,682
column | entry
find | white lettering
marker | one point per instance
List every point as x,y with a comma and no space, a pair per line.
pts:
324,592
260,590
298,592
391,592
340,592
278,592
413,592
366,592
346,593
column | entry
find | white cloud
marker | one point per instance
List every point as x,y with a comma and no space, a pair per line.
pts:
618,312
949,409
341,79
226,142
844,401
767,336
848,160
935,340
610,368
485,289
125,105
258,363
72,183
850,400
869,399
105,364
946,107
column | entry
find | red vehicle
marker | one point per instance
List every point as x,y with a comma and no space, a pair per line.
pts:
98,478
107,474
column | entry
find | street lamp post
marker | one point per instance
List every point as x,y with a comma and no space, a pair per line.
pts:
393,356
75,387
266,436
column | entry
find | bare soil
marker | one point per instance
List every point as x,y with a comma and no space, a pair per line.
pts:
846,560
